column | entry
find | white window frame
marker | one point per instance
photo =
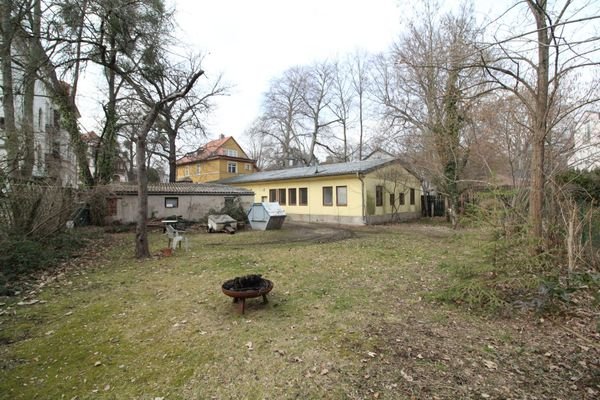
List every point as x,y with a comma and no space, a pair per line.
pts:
231,152
232,167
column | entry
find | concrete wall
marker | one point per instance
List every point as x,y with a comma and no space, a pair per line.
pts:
191,207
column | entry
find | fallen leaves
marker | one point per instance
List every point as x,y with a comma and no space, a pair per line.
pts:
490,364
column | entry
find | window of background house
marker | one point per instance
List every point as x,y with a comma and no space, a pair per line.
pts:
198,169
412,197
292,197
56,118
303,194
186,171
272,195
248,167
341,195
171,202
401,199
232,167
282,197
2,122
378,196
231,153
111,205
392,199
327,195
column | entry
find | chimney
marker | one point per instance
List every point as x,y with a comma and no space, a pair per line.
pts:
222,136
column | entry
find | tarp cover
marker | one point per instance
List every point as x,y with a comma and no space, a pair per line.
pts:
221,218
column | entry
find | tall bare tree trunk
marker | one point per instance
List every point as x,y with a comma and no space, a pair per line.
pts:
172,155
29,80
540,127
142,248
8,103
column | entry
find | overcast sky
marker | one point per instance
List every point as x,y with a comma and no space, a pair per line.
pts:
252,42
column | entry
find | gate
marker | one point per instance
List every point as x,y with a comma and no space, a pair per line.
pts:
433,206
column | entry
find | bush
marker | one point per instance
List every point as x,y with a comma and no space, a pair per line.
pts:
20,256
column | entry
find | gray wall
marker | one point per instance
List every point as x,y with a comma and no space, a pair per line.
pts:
191,207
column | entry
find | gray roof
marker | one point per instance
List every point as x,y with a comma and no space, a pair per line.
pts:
346,168
180,188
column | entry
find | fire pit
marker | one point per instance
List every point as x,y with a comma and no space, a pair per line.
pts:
245,287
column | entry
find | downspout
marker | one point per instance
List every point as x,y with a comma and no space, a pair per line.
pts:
362,192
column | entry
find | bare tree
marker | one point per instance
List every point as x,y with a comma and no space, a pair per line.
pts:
341,105
280,125
154,99
188,115
316,95
359,75
559,45
426,88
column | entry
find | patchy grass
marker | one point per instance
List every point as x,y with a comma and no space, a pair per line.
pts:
346,319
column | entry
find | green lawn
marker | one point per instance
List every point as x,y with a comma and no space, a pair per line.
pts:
349,317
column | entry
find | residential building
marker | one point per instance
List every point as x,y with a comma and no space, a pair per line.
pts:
219,159
361,192
586,143
54,157
120,173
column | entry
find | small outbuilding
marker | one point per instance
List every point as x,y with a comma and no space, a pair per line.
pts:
191,201
266,216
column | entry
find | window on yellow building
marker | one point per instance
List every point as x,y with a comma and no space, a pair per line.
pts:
272,195
401,199
231,153
198,169
186,171
303,194
392,199
282,197
378,196
341,195
327,195
412,197
248,167
232,167
292,197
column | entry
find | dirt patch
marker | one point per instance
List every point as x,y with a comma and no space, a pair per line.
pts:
528,359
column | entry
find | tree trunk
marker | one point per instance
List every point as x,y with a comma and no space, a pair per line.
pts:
29,80
142,248
172,136
108,144
536,195
8,103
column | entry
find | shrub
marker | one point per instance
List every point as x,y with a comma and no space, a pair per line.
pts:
20,256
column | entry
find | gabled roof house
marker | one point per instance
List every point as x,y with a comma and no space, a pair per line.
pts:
218,159
360,192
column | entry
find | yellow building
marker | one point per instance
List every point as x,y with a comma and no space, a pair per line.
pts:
361,192
219,159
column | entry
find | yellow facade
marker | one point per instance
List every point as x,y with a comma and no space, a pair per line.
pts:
218,167
360,192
